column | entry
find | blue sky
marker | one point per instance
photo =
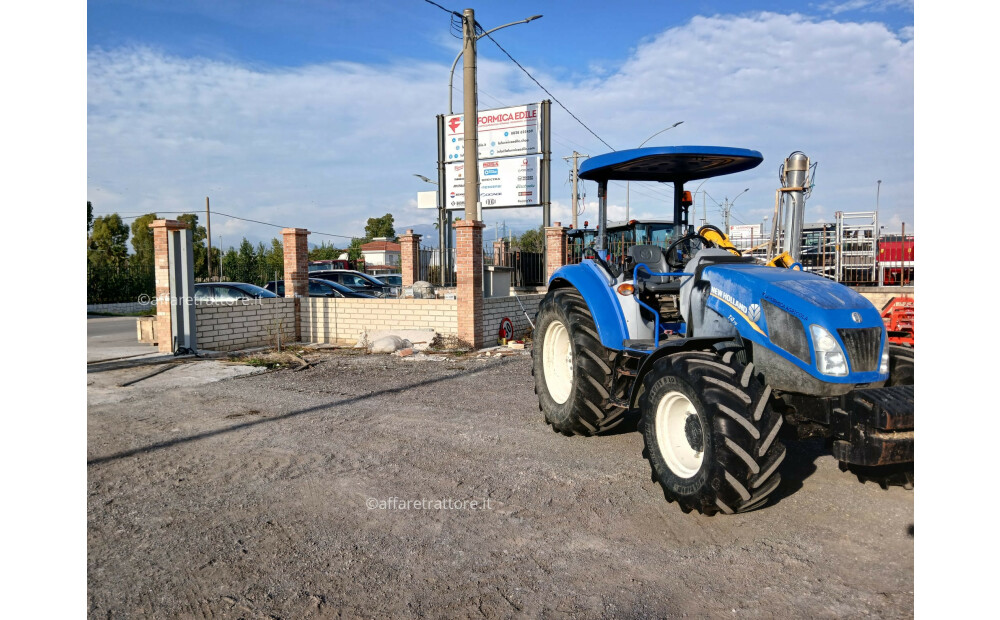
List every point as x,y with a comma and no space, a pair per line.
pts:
317,114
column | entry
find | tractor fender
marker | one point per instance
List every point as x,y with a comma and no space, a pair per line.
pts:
595,285
667,348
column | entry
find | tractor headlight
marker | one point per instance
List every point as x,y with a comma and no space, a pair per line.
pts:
830,358
883,368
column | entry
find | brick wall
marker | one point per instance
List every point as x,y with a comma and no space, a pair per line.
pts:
225,327
880,296
337,320
496,308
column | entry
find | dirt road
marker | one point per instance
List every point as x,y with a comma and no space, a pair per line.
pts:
346,489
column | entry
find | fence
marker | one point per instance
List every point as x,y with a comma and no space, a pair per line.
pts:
527,268
107,284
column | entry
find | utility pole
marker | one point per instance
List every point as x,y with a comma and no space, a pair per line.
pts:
576,177
471,113
208,226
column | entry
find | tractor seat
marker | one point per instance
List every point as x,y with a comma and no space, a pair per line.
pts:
653,257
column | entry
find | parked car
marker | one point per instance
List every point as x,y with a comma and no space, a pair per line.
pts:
229,291
355,280
395,280
318,288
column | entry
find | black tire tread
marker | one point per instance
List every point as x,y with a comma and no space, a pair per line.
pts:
900,365
746,452
590,409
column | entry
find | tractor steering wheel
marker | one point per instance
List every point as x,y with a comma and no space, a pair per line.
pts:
680,251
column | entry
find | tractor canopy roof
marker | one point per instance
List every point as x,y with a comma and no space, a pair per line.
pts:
669,163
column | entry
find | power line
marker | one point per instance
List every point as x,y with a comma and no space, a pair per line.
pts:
554,98
235,217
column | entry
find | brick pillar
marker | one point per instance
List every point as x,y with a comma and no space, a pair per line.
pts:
409,250
296,262
161,266
469,265
555,249
296,242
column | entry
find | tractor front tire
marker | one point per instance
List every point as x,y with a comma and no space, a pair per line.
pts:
900,365
573,372
711,434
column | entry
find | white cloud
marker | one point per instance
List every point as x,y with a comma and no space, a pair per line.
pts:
326,147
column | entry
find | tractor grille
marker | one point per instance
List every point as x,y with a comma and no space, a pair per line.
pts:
862,347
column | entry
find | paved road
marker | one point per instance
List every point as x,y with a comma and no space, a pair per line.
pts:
113,336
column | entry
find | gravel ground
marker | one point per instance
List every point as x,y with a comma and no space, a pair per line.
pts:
214,493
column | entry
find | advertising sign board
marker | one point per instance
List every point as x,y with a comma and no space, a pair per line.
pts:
505,132
745,233
509,182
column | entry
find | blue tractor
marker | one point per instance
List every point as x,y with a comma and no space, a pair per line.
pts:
715,352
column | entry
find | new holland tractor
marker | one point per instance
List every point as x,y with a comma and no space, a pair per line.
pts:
715,351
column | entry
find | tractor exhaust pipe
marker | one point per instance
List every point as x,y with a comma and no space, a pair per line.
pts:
793,182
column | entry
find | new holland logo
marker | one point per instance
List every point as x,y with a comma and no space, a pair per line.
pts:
856,316
754,312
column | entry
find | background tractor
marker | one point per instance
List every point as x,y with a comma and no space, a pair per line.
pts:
716,351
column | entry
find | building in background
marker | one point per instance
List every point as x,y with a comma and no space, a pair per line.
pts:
381,256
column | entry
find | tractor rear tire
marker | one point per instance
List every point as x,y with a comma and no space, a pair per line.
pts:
710,432
573,372
900,365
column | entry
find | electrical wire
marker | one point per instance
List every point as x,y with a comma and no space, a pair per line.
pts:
235,217
554,98
456,20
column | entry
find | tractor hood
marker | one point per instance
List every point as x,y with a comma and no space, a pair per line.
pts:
777,308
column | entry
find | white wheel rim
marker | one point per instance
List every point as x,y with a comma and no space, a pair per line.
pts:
672,413
557,362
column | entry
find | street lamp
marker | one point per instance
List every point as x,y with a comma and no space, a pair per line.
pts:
628,183
425,179
451,77
729,206
878,189
704,214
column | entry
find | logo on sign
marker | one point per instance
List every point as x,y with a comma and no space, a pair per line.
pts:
754,312
454,123
491,172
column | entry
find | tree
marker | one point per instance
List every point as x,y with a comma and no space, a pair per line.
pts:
532,240
380,227
325,251
354,251
108,238
228,262
90,216
142,239
274,259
